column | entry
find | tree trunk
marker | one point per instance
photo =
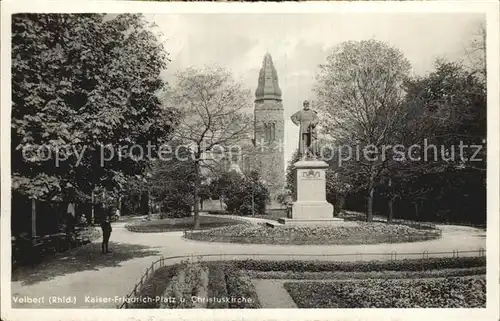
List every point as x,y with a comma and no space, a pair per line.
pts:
92,214
416,209
149,205
391,213
196,195
33,221
369,214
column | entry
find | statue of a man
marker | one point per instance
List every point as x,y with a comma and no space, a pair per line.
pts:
307,119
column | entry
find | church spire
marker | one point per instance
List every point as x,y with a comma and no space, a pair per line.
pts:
268,87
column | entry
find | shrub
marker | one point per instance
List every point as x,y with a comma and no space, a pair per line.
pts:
176,205
241,193
218,212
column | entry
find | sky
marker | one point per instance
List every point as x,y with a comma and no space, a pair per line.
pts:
298,43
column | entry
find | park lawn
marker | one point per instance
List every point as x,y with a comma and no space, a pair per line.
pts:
179,224
449,292
363,233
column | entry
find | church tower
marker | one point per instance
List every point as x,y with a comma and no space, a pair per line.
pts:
269,129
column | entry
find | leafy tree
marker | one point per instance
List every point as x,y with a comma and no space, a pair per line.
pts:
290,174
168,182
80,82
214,112
447,108
244,195
450,108
172,182
360,95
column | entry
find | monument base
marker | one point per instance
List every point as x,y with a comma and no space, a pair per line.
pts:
312,210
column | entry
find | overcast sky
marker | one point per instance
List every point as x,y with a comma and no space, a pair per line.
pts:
299,42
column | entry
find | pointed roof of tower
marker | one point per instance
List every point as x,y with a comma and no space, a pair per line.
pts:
268,87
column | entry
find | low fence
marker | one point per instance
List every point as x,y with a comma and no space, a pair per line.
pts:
161,262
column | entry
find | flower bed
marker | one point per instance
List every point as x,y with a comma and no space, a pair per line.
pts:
241,290
340,275
364,266
183,287
364,233
154,287
466,292
179,286
229,282
181,224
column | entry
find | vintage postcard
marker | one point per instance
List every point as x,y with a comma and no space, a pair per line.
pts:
250,161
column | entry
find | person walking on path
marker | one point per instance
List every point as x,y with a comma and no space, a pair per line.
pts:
70,219
105,223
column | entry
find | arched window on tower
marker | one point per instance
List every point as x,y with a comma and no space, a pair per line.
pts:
270,132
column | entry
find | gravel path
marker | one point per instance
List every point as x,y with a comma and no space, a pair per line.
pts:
91,279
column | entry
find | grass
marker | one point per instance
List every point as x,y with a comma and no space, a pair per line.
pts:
449,292
217,287
363,233
179,224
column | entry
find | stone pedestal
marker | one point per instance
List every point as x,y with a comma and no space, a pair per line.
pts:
310,202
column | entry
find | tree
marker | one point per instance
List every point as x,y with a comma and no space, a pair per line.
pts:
242,194
81,82
447,108
214,113
172,182
360,94
450,109
290,175
475,52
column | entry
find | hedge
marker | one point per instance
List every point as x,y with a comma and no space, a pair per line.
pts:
361,266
